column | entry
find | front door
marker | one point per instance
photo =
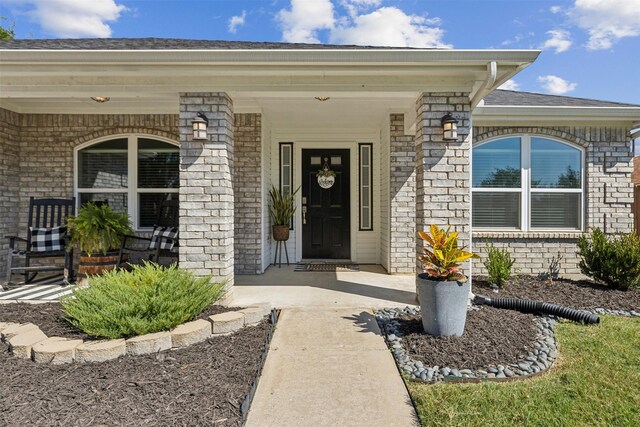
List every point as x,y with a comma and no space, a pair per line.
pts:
325,212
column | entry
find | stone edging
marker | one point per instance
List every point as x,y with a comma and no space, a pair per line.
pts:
538,360
27,341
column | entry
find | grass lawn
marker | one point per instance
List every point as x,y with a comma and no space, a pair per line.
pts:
595,382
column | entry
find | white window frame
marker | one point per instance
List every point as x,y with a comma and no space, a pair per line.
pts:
525,189
132,191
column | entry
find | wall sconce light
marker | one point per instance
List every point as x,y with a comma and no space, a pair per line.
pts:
449,127
200,124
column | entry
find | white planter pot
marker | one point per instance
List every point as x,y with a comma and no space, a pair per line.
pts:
443,306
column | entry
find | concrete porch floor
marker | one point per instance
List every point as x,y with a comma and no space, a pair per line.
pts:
285,288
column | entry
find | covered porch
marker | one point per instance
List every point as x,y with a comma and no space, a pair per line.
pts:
267,111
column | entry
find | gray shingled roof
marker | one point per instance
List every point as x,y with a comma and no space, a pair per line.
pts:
162,44
509,97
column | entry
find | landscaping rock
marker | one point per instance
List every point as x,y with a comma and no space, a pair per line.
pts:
101,351
149,343
4,325
264,307
226,323
252,315
56,350
190,333
17,329
21,344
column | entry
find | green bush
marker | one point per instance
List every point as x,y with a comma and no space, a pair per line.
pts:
614,261
498,265
150,298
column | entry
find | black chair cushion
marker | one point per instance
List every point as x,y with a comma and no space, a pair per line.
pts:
48,239
163,236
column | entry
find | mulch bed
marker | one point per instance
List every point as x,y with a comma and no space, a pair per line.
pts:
492,336
581,294
50,319
202,385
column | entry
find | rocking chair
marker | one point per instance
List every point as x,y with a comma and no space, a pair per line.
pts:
47,237
161,244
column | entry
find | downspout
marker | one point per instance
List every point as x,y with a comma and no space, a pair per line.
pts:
492,74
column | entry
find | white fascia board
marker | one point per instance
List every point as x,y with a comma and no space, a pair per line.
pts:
511,115
271,56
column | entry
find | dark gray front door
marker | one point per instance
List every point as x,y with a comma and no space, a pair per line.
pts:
326,224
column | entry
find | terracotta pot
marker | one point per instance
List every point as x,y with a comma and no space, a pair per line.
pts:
96,264
280,233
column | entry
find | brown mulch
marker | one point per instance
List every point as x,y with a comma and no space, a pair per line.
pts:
492,336
202,385
582,294
50,318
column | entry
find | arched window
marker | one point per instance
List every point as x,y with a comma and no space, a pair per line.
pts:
527,182
131,173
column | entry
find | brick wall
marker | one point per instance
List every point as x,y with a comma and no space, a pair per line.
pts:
608,201
443,167
206,188
402,187
39,152
9,181
247,188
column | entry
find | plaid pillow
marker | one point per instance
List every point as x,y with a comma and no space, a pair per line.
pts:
47,239
166,236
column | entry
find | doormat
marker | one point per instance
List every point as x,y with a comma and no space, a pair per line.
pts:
324,267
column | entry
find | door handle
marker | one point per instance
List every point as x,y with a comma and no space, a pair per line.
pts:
304,215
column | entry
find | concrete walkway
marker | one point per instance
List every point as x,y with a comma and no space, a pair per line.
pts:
330,367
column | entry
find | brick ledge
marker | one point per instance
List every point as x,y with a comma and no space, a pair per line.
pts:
527,234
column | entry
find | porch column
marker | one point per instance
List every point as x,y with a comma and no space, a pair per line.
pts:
206,190
443,174
402,185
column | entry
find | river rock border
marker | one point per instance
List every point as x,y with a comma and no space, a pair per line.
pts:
539,359
27,341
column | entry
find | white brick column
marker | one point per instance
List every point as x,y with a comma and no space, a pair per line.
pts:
206,190
443,168
402,185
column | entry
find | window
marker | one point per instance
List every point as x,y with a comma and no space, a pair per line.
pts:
527,183
366,187
132,174
286,169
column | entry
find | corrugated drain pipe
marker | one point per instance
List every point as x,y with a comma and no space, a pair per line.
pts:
538,307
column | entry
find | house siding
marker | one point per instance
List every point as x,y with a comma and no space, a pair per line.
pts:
608,201
385,179
247,183
9,181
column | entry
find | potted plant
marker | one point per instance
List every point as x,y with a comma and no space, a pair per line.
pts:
97,231
443,289
281,210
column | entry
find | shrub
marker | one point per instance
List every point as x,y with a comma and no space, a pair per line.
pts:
150,298
498,265
614,261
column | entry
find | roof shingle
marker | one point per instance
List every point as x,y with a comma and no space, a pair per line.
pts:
509,97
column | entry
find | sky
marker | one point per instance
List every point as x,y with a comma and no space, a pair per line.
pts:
590,48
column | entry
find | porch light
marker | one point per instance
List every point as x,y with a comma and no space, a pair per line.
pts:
100,99
322,98
200,124
449,127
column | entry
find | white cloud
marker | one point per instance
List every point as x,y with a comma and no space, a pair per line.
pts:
509,85
556,85
382,26
237,21
560,40
516,39
301,23
606,21
74,18
390,26
555,9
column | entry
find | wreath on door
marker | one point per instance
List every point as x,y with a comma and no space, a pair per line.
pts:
326,177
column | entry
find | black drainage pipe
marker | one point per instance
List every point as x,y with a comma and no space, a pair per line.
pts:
538,307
